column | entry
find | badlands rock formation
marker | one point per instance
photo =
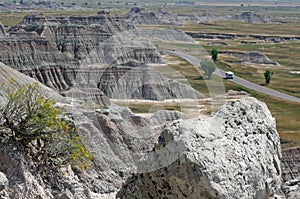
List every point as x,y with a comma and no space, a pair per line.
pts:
235,153
6,73
142,16
255,57
139,15
142,83
93,56
250,17
69,41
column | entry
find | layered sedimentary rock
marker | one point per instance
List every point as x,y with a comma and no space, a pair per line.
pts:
21,50
68,41
87,95
6,73
124,82
235,153
55,50
129,82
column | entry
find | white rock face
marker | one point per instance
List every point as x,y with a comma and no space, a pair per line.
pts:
3,181
292,188
162,116
235,153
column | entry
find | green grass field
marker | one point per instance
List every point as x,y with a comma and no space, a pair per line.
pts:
287,113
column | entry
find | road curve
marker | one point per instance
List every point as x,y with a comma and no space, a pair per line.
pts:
221,73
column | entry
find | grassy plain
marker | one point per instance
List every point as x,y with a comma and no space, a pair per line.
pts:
287,54
287,113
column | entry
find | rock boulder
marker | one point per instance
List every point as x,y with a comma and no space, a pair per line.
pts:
235,153
3,181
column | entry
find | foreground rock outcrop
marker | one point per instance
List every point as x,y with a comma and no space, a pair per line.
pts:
235,153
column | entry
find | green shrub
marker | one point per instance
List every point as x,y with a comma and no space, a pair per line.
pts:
30,121
214,55
208,67
268,76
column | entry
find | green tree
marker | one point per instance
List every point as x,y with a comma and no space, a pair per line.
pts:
29,120
214,55
268,76
208,67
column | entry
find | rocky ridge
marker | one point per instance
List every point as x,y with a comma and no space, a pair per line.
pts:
250,17
254,57
142,16
138,15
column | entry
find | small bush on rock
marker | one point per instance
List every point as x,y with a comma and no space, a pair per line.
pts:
31,122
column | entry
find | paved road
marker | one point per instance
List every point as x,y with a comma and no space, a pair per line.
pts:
221,73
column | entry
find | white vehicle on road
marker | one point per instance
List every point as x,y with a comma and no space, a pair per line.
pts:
229,75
